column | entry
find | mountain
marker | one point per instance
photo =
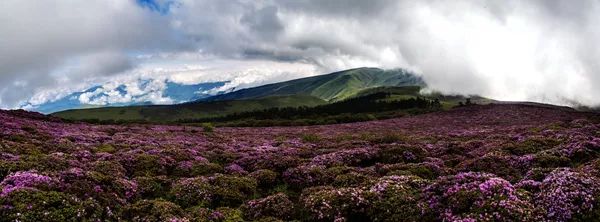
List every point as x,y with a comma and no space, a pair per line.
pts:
330,87
311,91
196,110
144,92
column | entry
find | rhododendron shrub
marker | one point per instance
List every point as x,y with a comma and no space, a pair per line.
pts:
277,206
154,210
25,180
565,194
476,196
402,154
328,203
264,178
36,205
190,192
231,191
395,198
474,163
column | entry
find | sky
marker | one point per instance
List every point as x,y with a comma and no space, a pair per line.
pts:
537,50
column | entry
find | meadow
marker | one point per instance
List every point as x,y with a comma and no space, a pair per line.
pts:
493,162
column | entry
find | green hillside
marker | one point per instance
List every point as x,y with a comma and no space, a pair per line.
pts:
171,113
309,92
330,87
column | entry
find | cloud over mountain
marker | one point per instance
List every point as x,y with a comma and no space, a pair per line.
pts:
512,50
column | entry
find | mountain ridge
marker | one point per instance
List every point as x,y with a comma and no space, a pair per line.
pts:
309,91
330,87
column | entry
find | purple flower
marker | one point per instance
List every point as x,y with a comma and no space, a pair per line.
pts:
24,180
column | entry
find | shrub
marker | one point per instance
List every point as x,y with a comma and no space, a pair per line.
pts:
305,176
147,165
277,206
264,178
111,193
110,169
31,205
395,197
430,169
226,214
195,168
384,138
232,190
531,145
222,214
310,138
402,154
549,160
351,157
329,204
152,187
583,150
154,210
278,162
105,148
475,197
25,180
566,194
235,169
198,214
351,179
190,192
208,127
502,166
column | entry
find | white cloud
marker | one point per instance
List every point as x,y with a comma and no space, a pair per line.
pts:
542,50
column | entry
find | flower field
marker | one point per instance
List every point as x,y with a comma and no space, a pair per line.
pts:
476,163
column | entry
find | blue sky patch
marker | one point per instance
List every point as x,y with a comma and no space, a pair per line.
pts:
160,6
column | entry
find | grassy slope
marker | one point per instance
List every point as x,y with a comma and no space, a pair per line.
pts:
168,113
407,92
309,91
330,87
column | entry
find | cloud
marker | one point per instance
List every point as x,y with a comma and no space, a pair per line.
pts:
512,50
45,43
540,50
132,92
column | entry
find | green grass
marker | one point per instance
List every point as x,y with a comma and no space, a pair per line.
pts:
171,113
330,87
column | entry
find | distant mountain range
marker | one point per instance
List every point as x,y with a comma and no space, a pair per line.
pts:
100,96
310,91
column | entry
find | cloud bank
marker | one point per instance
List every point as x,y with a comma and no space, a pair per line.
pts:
540,50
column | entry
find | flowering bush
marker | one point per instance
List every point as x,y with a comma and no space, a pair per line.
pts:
190,192
565,194
305,176
345,157
154,210
152,187
197,168
394,198
328,203
277,206
503,166
264,178
402,154
231,191
35,205
476,196
25,180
